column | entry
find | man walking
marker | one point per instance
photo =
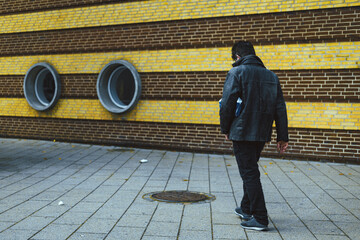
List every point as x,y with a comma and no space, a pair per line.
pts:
262,103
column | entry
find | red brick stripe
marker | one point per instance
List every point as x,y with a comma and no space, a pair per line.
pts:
313,144
328,85
327,25
320,144
339,85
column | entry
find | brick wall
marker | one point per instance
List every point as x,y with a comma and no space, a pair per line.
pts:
314,49
330,85
22,6
325,25
318,85
154,11
339,146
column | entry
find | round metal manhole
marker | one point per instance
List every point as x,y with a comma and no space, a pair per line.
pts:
179,197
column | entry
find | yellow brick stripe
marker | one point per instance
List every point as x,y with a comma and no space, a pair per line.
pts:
324,115
149,11
146,110
280,57
344,116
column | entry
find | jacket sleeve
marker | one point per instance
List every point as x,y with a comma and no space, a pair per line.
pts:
230,95
281,120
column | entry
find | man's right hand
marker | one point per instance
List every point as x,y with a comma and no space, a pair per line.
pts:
281,146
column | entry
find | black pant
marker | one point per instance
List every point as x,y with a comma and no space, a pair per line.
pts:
247,155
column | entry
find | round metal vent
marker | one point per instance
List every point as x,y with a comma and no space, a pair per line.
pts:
179,197
42,86
119,86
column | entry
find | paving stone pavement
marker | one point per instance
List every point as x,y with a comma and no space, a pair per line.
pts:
101,189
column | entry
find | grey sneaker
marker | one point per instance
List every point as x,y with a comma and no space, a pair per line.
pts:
252,224
241,214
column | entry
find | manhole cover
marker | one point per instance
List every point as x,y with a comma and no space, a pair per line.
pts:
179,197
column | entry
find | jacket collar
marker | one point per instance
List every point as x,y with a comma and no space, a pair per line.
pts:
249,59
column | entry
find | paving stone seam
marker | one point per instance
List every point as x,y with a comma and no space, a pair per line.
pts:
308,187
330,179
44,179
285,202
13,148
37,183
13,144
167,182
40,170
131,157
55,162
311,199
343,189
233,192
152,172
339,174
44,191
99,157
187,188
231,181
352,167
20,150
165,187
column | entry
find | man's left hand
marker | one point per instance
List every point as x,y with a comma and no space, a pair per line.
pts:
227,137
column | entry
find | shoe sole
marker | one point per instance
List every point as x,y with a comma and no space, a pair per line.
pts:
256,228
242,216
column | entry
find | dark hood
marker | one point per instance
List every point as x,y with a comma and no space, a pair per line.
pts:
249,59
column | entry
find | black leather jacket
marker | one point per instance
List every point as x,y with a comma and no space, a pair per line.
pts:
262,103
